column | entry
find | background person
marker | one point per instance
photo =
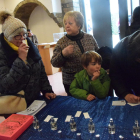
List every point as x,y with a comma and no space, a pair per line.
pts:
91,82
32,37
125,68
135,25
69,48
21,67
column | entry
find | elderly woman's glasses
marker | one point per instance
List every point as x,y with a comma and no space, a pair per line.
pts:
18,37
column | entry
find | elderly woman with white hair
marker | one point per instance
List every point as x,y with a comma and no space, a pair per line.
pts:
22,73
69,48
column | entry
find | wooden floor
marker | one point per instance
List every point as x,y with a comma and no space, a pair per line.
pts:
56,83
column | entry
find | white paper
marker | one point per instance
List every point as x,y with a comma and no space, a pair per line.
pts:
56,119
68,118
119,103
34,108
133,104
78,113
86,115
2,119
47,119
25,42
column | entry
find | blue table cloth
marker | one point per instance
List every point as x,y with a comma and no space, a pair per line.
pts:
99,110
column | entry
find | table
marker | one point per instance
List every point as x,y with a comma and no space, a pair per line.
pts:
99,110
46,52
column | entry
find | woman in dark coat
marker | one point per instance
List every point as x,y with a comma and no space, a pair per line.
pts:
21,67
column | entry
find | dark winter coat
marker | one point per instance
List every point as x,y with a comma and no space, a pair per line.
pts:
15,75
125,74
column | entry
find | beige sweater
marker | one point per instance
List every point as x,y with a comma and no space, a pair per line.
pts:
71,65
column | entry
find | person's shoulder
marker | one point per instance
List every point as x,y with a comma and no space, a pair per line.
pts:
81,73
87,35
63,39
103,71
34,35
123,43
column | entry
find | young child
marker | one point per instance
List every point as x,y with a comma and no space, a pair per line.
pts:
91,82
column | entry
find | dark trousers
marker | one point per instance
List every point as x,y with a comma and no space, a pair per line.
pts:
67,88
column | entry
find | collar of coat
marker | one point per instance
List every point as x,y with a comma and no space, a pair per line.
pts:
11,54
76,37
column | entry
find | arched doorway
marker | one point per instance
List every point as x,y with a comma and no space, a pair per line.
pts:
24,9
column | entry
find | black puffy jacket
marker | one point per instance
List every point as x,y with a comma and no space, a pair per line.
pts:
15,75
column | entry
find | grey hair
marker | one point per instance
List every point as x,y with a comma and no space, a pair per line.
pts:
17,32
78,17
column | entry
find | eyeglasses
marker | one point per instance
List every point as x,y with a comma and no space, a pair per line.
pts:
18,37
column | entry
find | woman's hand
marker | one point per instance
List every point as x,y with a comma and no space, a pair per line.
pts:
23,51
68,50
50,95
90,97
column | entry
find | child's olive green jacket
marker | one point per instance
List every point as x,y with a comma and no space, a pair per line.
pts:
82,86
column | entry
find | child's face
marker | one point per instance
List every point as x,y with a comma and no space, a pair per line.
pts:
92,67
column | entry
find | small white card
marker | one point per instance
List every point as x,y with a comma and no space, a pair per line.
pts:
68,118
47,119
133,104
86,115
25,42
2,119
119,103
78,113
56,119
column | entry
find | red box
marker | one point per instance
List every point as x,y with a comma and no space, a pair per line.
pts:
12,127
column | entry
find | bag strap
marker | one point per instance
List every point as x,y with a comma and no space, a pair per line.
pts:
19,94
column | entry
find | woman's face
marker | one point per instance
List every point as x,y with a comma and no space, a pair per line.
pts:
17,40
71,26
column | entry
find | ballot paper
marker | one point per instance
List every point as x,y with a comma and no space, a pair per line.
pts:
47,119
78,113
119,103
34,108
2,119
86,115
131,104
68,118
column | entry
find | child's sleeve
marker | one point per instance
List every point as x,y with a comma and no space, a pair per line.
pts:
76,91
101,89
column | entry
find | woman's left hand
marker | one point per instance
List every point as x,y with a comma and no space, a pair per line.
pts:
50,95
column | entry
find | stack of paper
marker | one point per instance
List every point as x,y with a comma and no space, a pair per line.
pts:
119,103
34,108
131,104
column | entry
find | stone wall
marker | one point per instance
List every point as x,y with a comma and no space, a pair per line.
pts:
70,5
